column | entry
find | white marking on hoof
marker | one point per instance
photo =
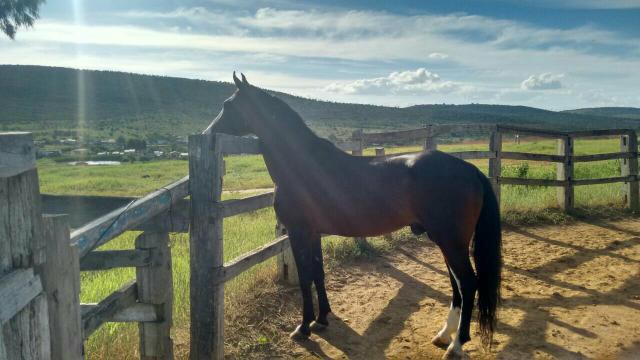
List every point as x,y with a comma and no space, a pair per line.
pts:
316,326
298,334
455,352
443,338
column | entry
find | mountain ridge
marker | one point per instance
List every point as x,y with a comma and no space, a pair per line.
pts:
44,98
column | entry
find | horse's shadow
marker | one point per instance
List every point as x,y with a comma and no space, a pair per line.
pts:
390,322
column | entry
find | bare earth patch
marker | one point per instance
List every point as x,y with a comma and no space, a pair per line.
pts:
570,292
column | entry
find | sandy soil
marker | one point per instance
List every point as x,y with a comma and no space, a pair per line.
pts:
570,292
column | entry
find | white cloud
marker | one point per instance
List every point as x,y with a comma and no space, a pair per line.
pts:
408,82
438,56
545,81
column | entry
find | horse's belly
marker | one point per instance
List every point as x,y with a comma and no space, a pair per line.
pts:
372,221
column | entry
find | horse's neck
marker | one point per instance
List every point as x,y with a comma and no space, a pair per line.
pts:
292,151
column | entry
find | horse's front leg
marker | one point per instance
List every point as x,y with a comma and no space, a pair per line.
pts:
318,279
301,245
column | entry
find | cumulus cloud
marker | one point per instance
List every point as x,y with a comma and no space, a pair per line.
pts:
545,81
399,82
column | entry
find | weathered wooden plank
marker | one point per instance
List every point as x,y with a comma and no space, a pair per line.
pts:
205,239
17,153
26,334
531,131
230,144
606,156
105,228
61,282
469,155
629,167
155,286
110,259
532,182
239,206
287,269
495,163
120,299
138,312
564,172
511,155
379,151
608,180
599,132
441,129
17,290
244,262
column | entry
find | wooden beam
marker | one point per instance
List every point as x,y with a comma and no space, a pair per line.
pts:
495,163
442,129
111,259
531,157
107,227
604,180
205,239
469,155
138,312
61,282
17,289
252,258
629,167
26,335
564,172
239,206
17,153
176,219
120,299
599,132
531,182
600,157
155,286
531,131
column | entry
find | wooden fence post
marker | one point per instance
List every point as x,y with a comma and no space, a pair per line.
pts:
495,164
61,282
155,286
25,335
565,172
380,151
430,141
357,136
287,270
629,167
206,245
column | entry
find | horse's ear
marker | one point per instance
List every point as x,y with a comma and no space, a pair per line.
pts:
244,79
237,81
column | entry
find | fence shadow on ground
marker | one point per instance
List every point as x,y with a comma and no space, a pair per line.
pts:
540,313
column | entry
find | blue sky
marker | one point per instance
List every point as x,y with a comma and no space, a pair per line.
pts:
558,54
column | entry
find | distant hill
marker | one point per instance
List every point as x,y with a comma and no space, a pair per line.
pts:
618,112
114,103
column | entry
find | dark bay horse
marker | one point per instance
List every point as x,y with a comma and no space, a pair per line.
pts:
322,190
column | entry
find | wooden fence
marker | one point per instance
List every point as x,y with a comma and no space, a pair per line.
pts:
40,260
564,158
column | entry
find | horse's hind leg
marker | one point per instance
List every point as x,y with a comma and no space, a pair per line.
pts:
457,257
443,338
318,279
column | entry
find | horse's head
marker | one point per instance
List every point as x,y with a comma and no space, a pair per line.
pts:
237,116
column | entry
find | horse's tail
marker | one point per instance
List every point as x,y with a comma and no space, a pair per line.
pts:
488,260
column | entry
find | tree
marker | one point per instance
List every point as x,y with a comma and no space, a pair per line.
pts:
18,13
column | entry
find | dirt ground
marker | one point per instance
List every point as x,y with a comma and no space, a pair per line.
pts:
570,292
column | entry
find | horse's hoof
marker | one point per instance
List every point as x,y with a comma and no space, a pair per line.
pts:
316,326
441,341
455,353
299,334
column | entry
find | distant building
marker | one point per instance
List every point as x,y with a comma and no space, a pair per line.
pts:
158,153
184,155
48,153
80,152
130,151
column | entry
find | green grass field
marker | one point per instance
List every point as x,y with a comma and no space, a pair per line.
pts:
245,232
